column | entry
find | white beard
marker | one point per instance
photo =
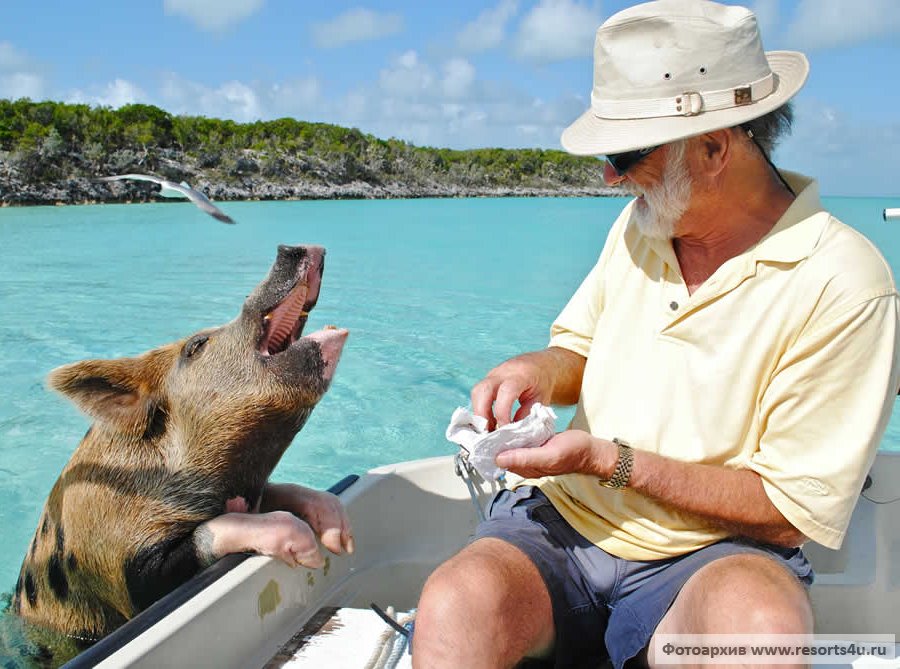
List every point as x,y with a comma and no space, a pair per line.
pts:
664,204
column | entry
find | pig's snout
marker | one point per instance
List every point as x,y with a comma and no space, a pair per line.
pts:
331,342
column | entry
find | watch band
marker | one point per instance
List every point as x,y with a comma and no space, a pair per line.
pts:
622,473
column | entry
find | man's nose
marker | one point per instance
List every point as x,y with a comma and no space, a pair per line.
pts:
610,176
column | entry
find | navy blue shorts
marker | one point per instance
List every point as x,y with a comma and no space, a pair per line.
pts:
604,607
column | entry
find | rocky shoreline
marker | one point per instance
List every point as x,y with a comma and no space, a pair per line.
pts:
251,175
81,190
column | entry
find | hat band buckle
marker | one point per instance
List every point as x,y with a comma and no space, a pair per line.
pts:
688,103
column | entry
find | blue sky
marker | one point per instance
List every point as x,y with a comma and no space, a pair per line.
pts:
508,73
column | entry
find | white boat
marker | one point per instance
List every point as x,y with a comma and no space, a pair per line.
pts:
891,214
252,611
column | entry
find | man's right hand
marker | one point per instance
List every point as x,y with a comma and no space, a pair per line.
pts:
550,376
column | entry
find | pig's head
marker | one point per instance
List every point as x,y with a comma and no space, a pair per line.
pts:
223,404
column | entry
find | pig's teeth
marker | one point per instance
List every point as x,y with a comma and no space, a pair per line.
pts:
286,319
280,334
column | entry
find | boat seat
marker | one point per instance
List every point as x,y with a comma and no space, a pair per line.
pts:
343,637
347,637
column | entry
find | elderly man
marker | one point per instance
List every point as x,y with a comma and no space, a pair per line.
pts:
734,360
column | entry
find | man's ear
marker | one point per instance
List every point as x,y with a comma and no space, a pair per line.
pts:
124,393
714,151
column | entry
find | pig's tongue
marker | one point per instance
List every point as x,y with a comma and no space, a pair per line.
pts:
283,320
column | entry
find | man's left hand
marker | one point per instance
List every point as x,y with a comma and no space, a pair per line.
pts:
569,452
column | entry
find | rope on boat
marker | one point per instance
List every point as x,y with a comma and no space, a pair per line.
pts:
394,641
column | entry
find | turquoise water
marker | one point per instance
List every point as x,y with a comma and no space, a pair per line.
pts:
434,292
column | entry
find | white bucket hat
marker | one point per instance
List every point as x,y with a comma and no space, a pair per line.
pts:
672,69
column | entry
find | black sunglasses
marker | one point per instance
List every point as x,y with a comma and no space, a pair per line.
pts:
622,162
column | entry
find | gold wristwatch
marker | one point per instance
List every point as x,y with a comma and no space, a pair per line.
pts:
624,465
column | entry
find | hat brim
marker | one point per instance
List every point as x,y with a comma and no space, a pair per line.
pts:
591,135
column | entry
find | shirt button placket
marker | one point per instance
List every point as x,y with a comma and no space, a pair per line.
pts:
670,307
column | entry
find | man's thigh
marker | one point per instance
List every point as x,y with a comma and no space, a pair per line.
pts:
659,597
739,594
525,518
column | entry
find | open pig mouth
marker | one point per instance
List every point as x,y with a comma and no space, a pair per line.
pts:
283,324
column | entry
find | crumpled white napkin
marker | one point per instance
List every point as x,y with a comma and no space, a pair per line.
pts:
470,431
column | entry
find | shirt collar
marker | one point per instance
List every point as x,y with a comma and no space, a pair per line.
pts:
797,232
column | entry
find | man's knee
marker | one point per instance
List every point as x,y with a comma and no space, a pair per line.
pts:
741,594
488,598
456,588
486,577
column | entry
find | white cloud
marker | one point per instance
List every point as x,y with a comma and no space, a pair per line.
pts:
557,30
241,98
114,94
19,76
412,80
822,25
213,15
476,123
10,57
244,102
447,105
408,77
356,25
488,30
232,100
459,75
21,85
356,106
296,98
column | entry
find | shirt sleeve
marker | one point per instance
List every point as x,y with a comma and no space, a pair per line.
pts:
574,328
823,415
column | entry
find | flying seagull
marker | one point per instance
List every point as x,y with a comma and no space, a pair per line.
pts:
172,189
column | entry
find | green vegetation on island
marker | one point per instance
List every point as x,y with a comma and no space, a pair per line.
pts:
51,152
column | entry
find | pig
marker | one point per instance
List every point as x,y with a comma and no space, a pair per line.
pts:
173,473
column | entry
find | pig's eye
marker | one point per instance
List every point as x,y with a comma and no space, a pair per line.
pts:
194,346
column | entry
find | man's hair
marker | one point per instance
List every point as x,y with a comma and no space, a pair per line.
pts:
768,130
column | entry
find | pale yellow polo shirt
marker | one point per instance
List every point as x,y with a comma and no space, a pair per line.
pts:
785,361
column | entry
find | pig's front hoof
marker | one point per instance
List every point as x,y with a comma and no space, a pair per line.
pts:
287,538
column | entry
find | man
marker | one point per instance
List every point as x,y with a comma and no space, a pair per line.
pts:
734,360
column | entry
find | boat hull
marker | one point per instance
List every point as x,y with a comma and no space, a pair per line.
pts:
410,517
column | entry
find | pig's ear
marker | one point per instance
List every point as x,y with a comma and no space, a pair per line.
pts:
122,393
